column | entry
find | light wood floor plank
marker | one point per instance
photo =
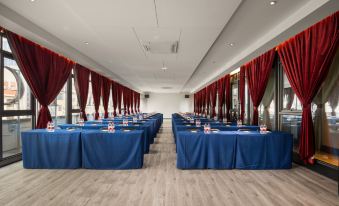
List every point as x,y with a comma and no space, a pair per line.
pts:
159,183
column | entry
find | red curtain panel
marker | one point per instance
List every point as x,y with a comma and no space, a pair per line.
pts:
213,98
204,101
45,72
242,93
138,102
306,58
96,80
200,102
81,83
115,97
119,89
228,96
208,99
106,89
124,98
128,101
258,72
135,101
132,101
221,97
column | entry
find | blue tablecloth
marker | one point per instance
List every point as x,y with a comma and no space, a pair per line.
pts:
118,150
140,126
200,150
264,151
227,149
60,149
221,128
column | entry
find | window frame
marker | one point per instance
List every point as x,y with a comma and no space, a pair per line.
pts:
11,113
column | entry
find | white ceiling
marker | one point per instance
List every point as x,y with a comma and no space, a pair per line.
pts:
116,29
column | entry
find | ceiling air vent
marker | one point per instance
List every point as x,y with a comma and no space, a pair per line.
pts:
166,87
161,47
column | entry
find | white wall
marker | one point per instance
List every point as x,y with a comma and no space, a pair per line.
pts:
166,103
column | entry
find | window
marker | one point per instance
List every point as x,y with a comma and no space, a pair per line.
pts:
326,118
267,105
234,97
292,124
74,104
16,105
90,103
290,99
58,108
17,94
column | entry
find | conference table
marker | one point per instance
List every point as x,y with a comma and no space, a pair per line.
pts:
229,146
234,150
118,150
90,146
147,130
60,149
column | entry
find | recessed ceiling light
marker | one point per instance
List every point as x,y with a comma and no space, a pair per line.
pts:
32,0
164,68
273,3
230,44
86,43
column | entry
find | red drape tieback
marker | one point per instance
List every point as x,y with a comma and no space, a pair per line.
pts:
44,116
106,114
83,114
96,115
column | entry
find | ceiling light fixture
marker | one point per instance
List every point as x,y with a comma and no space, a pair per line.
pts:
163,66
86,43
273,3
32,0
230,44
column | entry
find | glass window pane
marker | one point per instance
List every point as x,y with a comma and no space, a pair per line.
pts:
75,103
5,45
17,94
90,103
58,108
11,130
290,101
235,96
75,118
326,127
292,124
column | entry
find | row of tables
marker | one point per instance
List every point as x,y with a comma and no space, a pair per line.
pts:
90,146
228,148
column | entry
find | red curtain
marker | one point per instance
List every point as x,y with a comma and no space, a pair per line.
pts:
81,83
200,102
45,72
132,101
242,93
228,96
306,59
135,101
204,101
196,102
128,101
115,97
119,89
138,102
208,99
96,80
213,98
258,72
106,89
125,98
221,97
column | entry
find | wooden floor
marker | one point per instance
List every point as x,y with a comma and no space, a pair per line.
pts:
160,183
